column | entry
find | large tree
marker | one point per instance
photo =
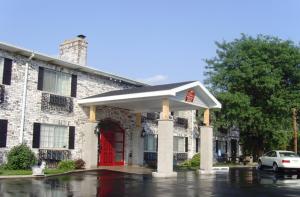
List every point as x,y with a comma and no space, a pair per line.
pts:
257,80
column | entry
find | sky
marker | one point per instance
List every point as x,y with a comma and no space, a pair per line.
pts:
154,41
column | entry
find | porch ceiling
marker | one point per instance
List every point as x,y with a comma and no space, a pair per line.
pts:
149,99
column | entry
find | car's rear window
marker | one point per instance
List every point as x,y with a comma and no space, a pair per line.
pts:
287,154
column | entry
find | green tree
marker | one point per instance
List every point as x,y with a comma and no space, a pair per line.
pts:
257,80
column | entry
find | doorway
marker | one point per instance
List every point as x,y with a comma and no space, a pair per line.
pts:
111,144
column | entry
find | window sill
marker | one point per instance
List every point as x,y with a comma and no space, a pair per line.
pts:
54,149
44,91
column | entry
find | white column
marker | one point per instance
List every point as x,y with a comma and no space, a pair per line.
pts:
90,146
206,150
137,147
165,149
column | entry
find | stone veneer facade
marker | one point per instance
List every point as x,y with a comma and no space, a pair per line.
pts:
87,85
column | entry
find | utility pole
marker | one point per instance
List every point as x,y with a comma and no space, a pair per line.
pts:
295,127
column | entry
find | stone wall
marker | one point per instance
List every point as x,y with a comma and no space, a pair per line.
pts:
87,85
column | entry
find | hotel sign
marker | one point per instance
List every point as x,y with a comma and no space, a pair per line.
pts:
190,96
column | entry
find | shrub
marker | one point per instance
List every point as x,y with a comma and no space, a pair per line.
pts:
20,157
66,165
195,161
79,164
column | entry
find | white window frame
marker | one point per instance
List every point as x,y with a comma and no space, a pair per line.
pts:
153,143
52,138
56,87
178,144
2,59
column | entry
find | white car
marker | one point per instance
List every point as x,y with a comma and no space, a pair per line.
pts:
279,160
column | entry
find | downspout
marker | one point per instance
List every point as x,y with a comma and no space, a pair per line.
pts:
24,98
193,133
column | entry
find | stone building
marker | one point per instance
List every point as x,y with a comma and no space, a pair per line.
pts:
40,105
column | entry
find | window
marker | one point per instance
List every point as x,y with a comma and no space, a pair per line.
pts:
1,69
53,136
57,82
221,147
288,154
273,154
179,144
150,143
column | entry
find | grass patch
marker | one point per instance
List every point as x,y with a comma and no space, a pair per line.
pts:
54,171
15,172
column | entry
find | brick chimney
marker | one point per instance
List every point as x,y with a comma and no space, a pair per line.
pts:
74,50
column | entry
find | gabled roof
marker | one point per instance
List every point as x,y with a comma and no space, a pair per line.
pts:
148,99
63,63
142,89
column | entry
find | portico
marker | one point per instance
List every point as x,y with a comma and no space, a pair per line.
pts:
161,98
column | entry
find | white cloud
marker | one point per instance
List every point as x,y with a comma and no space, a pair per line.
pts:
156,79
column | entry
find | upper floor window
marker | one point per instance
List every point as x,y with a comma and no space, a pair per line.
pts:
56,82
1,69
5,70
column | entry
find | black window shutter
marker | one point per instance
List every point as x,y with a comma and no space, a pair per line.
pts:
71,137
197,145
186,144
7,71
40,78
74,86
3,133
36,135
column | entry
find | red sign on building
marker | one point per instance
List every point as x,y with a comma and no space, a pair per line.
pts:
190,96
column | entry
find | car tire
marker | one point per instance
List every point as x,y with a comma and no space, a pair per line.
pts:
275,167
260,166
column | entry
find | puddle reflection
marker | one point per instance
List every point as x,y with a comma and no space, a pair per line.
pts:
288,179
238,182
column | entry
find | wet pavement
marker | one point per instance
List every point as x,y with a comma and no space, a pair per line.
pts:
238,182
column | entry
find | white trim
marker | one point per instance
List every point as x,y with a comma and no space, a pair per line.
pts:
195,84
192,104
166,93
163,93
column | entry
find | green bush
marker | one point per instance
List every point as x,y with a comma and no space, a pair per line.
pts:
20,157
195,161
79,164
66,165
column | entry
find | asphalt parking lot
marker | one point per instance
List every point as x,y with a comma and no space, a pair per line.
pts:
238,182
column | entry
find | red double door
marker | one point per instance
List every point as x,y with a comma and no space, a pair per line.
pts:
111,149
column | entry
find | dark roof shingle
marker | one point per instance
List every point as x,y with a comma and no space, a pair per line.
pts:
142,89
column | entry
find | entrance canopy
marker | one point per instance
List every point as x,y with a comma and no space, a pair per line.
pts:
189,95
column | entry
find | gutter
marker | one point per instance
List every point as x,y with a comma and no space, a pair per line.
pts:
70,65
24,98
